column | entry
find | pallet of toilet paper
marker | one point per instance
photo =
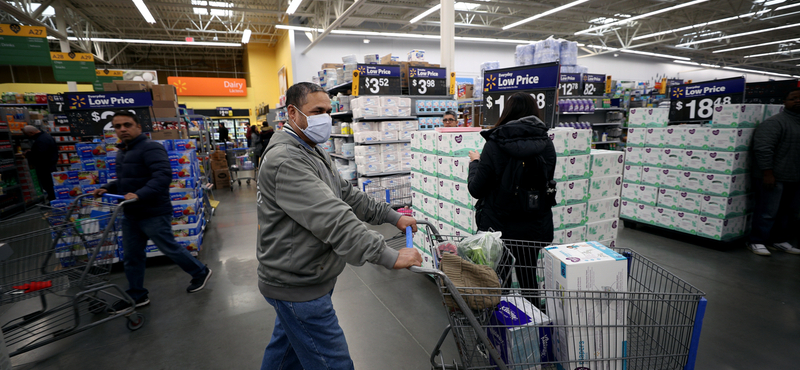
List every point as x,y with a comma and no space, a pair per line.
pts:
380,106
380,158
366,132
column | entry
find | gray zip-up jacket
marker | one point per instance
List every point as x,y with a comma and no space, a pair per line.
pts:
776,147
310,222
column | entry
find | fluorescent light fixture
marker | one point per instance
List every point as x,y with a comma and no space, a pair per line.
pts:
293,5
755,46
654,54
739,35
626,20
787,6
544,14
685,62
145,12
700,25
154,42
602,47
774,2
298,28
246,36
709,65
406,35
758,72
773,53
425,13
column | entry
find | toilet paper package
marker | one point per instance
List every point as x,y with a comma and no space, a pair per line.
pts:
606,162
547,51
602,209
568,53
605,187
640,194
602,230
738,115
632,174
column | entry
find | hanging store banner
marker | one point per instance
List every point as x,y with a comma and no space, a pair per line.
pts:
570,84
594,84
427,81
770,92
24,45
89,114
78,67
208,86
106,76
540,81
376,79
696,101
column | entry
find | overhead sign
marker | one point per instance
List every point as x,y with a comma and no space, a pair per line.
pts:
696,101
570,84
208,86
225,111
78,67
106,76
594,84
376,79
540,81
24,45
122,99
89,114
770,92
427,81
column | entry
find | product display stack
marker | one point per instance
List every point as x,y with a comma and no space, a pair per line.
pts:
692,178
439,193
589,187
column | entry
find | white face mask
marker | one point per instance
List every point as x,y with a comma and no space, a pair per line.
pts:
319,127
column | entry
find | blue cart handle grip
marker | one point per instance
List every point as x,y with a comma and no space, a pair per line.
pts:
409,238
113,196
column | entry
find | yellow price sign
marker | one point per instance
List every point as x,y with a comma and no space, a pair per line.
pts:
355,83
108,73
608,84
71,57
23,31
452,83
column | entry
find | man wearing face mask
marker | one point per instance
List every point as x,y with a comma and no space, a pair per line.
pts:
310,226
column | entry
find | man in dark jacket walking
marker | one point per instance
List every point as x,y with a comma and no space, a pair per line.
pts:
42,157
776,179
223,134
144,174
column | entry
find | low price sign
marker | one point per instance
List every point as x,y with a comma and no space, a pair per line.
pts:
570,84
24,45
376,79
594,84
427,81
696,101
540,81
89,114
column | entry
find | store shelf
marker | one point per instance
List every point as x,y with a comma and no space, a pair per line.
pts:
385,142
606,142
337,155
4,130
607,124
13,187
24,105
429,114
9,168
595,111
405,118
384,174
261,118
11,207
66,142
6,150
583,97
60,133
342,114
67,151
340,88
63,165
342,135
469,100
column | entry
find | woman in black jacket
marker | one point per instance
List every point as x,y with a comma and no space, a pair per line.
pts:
518,160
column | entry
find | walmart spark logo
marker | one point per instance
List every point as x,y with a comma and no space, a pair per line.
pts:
491,82
77,102
677,93
362,69
412,72
180,86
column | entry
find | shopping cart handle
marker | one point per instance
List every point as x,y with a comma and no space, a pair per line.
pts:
113,196
409,238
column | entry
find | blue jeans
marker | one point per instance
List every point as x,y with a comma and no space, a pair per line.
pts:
134,241
307,336
775,209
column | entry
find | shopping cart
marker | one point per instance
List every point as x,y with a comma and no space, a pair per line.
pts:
661,330
60,256
242,160
396,191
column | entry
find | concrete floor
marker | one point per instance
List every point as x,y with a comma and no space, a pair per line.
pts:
392,319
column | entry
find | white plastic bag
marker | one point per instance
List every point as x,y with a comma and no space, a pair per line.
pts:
483,248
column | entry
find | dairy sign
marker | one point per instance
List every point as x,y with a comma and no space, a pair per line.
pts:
427,81
208,86
541,81
696,101
89,114
376,79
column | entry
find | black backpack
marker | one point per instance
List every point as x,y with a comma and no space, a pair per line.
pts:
525,186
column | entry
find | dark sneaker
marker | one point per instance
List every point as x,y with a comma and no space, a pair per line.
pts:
199,283
122,305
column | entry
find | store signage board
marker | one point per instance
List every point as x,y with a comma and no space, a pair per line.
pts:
24,46
540,81
56,104
208,86
376,79
225,111
570,85
78,67
696,101
427,81
106,76
770,92
89,114
594,84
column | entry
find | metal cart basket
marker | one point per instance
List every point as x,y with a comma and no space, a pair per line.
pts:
242,164
60,256
393,190
655,324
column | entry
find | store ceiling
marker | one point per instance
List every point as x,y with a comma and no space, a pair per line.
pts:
225,21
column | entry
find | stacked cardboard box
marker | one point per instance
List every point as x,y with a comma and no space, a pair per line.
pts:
219,167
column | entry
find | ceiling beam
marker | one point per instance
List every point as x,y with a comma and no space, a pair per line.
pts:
350,10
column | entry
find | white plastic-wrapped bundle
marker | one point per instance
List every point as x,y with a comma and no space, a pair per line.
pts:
348,71
583,69
569,52
518,55
350,59
477,91
569,69
547,51
315,79
371,58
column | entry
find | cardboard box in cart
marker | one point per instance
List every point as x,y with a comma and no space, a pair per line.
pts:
580,267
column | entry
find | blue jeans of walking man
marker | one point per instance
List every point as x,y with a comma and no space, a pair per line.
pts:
306,336
134,242
775,209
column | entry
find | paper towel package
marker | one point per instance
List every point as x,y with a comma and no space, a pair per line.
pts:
573,191
722,207
573,215
561,139
680,200
648,117
632,174
605,187
606,162
640,194
458,144
575,234
602,230
738,115
586,266
726,185
673,158
580,142
634,156
602,209
727,163
561,172
721,229
728,139
637,137
578,167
